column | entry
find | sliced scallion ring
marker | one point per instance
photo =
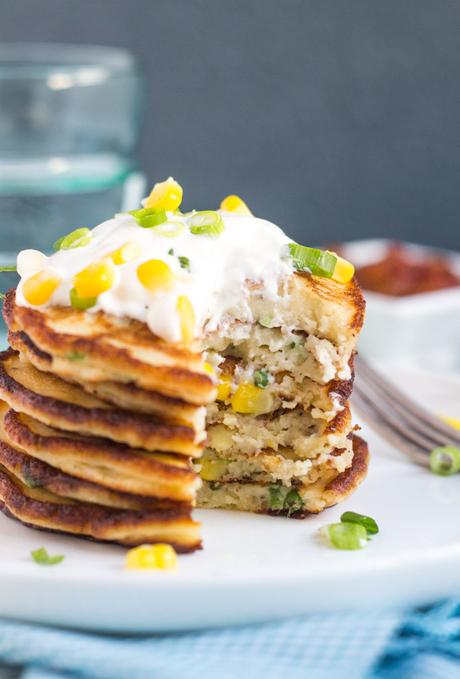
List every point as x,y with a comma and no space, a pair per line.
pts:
81,303
206,223
345,535
148,217
261,378
369,523
445,460
312,260
169,229
75,239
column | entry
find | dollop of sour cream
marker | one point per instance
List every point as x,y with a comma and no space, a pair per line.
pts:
222,271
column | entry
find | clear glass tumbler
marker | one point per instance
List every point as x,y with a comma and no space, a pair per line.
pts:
69,126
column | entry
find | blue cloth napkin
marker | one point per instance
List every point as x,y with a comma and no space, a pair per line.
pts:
423,644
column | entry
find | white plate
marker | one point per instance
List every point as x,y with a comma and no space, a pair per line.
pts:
256,568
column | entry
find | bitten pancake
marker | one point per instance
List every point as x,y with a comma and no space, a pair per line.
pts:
36,474
101,461
40,509
124,395
329,489
66,406
104,348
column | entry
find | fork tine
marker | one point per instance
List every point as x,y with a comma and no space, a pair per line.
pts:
395,422
387,432
369,386
380,382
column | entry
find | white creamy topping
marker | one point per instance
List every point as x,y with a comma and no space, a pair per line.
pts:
247,253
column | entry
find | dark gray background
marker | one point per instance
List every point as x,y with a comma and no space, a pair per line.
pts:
336,119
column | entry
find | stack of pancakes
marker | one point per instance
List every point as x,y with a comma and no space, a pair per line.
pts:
101,421
287,447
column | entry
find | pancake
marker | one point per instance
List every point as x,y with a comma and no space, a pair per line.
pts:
104,348
101,461
38,508
330,488
66,406
125,395
36,474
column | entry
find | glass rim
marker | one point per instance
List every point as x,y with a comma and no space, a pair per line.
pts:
40,60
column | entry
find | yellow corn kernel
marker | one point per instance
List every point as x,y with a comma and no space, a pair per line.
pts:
235,204
343,271
249,399
126,253
453,421
186,313
167,194
95,279
212,470
155,275
209,369
147,557
38,288
224,387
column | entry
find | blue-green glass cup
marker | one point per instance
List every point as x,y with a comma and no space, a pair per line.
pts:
69,126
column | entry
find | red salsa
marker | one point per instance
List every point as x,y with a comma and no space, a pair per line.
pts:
400,273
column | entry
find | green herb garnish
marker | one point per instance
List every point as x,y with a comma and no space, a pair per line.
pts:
149,217
266,321
282,499
42,557
2,295
261,378
81,303
206,223
445,460
184,262
369,524
277,495
30,481
8,268
345,535
171,252
75,239
76,356
293,502
312,260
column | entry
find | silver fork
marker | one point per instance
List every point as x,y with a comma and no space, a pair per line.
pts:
396,417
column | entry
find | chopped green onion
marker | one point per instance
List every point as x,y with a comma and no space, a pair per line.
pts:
42,557
76,356
283,500
345,535
171,252
30,481
149,217
317,262
266,321
169,229
445,460
2,295
277,494
81,303
293,502
8,268
75,239
369,524
206,223
184,262
261,378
